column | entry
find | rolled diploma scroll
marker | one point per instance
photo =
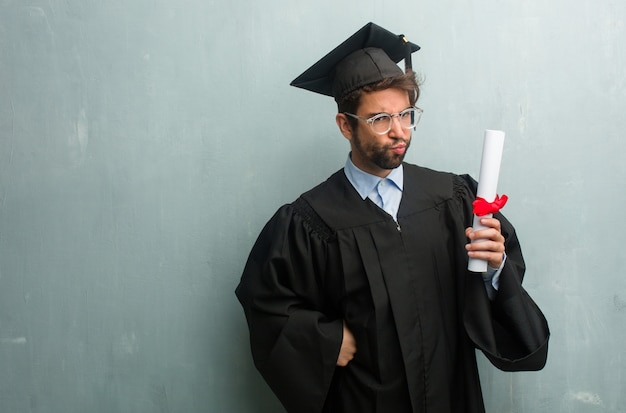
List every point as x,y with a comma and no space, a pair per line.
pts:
487,184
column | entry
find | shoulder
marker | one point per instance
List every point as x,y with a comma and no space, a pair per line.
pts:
437,186
426,177
310,219
333,201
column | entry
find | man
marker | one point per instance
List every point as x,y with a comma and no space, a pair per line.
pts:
357,295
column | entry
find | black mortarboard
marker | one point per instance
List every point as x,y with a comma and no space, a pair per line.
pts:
368,56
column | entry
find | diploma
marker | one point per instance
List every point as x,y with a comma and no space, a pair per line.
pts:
487,185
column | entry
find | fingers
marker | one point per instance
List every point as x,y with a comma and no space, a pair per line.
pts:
348,347
491,232
491,252
490,223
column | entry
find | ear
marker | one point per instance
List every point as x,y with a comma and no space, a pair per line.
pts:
344,126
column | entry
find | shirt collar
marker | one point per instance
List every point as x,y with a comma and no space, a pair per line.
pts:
364,183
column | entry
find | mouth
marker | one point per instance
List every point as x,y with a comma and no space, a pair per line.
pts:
399,149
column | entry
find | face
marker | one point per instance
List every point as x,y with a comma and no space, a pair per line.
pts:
373,153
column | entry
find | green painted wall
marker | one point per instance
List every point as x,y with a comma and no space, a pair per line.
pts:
144,143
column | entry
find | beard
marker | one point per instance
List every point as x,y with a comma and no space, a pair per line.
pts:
381,155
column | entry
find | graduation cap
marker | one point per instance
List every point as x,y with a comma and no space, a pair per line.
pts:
368,56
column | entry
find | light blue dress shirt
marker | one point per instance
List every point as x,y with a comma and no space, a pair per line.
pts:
386,193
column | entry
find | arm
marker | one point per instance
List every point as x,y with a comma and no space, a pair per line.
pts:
511,330
294,337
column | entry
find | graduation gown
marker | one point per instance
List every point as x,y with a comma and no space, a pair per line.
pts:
402,288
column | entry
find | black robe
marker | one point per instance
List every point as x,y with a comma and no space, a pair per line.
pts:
402,288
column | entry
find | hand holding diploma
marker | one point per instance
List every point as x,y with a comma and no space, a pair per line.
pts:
487,242
487,246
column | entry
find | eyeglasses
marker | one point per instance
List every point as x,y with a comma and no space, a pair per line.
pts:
381,123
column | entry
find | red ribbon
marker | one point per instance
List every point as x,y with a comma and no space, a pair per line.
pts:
482,207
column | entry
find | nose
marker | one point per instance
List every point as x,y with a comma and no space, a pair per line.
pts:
396,127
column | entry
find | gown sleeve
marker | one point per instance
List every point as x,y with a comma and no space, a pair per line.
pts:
511,330
295,339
